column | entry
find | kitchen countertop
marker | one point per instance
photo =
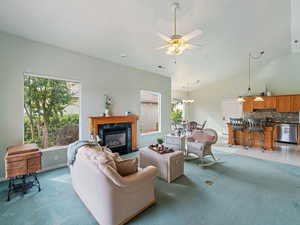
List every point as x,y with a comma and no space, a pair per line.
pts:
284,122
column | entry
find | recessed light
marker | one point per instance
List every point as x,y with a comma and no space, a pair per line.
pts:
123,55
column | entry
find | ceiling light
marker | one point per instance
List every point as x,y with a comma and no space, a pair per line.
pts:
254,57
188,101
241,99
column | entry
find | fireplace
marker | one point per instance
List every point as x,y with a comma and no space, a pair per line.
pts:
118,132
116,136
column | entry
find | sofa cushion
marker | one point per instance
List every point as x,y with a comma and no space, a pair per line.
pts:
104,157
98,155
126,167
115,156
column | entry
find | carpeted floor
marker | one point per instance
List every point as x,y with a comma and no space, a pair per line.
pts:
246,191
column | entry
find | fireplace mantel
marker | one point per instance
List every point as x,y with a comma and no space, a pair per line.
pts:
100,120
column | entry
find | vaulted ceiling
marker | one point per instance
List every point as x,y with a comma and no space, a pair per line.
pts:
108,29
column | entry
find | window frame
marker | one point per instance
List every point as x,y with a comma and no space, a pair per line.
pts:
158,94
45,76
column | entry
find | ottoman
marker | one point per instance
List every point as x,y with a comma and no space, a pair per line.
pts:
170,165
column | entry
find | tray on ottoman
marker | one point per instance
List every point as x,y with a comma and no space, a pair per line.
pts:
170,165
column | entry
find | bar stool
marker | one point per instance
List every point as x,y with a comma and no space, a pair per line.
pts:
256,125
237,125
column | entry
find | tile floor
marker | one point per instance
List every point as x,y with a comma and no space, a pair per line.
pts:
284,153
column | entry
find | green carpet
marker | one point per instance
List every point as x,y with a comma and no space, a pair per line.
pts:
245,191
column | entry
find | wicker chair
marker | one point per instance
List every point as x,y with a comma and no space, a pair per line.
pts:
192,125
199,144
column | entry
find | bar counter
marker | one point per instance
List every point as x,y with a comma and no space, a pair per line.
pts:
253,139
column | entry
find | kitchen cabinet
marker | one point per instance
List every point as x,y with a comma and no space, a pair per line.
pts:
248,104
252,139
268,103
283,103
295,103
259,105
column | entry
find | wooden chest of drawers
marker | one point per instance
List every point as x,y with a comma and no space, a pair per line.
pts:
22,159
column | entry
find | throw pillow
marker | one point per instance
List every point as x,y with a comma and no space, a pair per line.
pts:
127,167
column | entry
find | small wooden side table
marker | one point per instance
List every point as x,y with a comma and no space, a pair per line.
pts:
22,162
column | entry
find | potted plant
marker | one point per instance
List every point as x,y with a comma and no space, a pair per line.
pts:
176,117
160,141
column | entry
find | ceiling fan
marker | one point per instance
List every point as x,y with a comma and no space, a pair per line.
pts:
176,44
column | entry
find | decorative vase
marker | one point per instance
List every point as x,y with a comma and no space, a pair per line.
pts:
107,112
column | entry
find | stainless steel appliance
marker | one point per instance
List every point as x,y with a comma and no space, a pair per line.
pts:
287,133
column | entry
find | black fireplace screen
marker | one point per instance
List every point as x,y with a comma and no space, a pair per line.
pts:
116,136
115,140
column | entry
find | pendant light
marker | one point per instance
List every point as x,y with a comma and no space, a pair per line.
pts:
188,100
257,98
241,99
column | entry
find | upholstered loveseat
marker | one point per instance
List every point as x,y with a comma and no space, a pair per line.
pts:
111,198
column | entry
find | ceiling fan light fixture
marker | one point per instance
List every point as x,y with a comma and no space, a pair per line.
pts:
177,44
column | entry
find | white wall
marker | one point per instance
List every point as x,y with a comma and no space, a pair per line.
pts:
295,25
282,76
97,77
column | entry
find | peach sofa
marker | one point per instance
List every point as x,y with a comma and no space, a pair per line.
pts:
111,198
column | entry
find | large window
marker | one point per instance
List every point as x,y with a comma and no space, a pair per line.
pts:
150,111
51,111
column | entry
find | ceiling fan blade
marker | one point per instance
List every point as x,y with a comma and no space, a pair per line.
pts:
164,37
164,46
190,46
192,35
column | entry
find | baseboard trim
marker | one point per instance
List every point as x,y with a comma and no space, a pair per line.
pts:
3,179
53,167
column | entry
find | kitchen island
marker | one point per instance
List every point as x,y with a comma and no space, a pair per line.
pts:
243,137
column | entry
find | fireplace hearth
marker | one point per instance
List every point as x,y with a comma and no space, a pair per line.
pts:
116,136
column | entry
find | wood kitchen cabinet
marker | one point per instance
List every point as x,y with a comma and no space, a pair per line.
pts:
259,105
295,103
252,139
268,103
283,103
248,104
